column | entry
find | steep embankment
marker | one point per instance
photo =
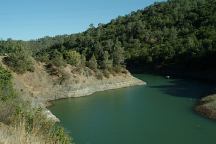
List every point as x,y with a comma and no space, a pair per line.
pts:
44,87
39,87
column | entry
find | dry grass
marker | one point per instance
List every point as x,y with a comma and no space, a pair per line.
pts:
35,130
5,111
19,135
20,121
22,124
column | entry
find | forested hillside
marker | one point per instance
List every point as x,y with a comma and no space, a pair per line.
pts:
177,34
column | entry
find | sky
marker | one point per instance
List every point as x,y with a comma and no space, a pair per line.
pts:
32,19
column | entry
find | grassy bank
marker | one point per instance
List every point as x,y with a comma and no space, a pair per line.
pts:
20,123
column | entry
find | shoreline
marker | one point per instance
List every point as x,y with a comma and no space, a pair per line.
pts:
39,88
207,106
89,90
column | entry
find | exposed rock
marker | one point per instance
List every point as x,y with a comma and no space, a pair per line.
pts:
207,106
50,116
40,87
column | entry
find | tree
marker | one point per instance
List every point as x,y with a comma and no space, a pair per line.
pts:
106,63
92,64
72,57
56,58
118,55
158,35
91,26
83,60
19,61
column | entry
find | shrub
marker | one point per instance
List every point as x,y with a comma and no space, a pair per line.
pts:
117,69
72,57
6,87
124,71
7,108
112,71
26,124
106,73
53,70
34,123
56,58
99,75
19,61
92,63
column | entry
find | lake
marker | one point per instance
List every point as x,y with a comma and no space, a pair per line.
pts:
159,113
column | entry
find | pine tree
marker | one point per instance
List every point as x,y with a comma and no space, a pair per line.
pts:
118,55
92,64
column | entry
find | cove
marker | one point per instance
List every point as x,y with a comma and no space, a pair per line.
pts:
159,113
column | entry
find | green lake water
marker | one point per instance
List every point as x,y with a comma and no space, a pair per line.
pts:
159,113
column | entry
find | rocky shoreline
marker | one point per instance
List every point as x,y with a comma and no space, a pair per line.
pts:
39,88
90,89
87,90
47,91
207,106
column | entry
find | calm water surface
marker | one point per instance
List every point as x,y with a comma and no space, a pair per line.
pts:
159,113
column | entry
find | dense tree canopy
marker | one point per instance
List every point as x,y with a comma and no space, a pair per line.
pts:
178,34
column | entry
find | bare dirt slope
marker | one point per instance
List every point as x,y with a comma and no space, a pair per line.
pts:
44,87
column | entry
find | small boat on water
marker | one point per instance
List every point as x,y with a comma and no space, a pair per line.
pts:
167,77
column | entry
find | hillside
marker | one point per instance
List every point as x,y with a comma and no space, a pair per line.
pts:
177,35
43,87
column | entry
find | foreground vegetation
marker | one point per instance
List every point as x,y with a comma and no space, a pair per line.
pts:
22,123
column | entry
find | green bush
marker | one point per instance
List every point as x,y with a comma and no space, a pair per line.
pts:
92,63
19,61
72,57
19,115
56,58
6,87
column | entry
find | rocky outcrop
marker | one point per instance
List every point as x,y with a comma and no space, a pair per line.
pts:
207,106
94,85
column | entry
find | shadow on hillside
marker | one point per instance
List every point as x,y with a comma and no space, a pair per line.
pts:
185,88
